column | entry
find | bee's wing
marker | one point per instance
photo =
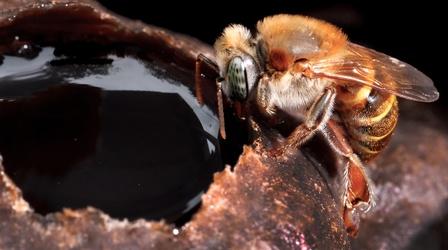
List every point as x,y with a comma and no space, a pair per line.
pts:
380,71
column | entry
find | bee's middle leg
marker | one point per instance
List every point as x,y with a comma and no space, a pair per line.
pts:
317,116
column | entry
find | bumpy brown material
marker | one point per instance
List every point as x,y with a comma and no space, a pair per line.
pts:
261,203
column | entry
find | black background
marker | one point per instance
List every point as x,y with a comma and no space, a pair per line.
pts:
414,32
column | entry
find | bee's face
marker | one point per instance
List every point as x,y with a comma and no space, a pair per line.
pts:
237,61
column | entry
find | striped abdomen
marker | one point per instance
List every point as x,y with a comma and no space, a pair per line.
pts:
369,117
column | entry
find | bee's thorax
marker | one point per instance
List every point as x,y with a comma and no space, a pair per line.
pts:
292,92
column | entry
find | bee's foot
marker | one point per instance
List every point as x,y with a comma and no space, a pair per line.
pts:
279,152
276,152
351,221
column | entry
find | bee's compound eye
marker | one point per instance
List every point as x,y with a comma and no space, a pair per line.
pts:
237,79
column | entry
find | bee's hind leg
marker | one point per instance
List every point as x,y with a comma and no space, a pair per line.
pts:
357,193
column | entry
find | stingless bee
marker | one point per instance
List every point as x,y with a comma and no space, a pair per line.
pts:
308,68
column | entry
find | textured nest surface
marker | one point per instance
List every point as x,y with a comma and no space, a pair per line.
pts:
260,203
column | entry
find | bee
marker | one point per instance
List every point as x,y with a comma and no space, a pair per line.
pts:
308,68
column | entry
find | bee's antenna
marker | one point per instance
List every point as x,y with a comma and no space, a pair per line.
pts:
198,88
202,59
222,128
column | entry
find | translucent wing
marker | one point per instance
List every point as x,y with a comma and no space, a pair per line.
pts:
380,71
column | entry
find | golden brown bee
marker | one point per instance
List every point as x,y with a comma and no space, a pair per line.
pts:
308,68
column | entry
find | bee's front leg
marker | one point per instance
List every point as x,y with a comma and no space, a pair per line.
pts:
318,115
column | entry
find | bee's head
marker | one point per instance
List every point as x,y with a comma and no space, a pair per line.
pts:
236,58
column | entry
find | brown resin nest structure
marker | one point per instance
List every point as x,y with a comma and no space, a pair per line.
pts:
257,204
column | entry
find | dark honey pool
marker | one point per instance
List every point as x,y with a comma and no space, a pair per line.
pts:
110,132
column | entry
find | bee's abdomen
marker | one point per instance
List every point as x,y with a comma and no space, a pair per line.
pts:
369,116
